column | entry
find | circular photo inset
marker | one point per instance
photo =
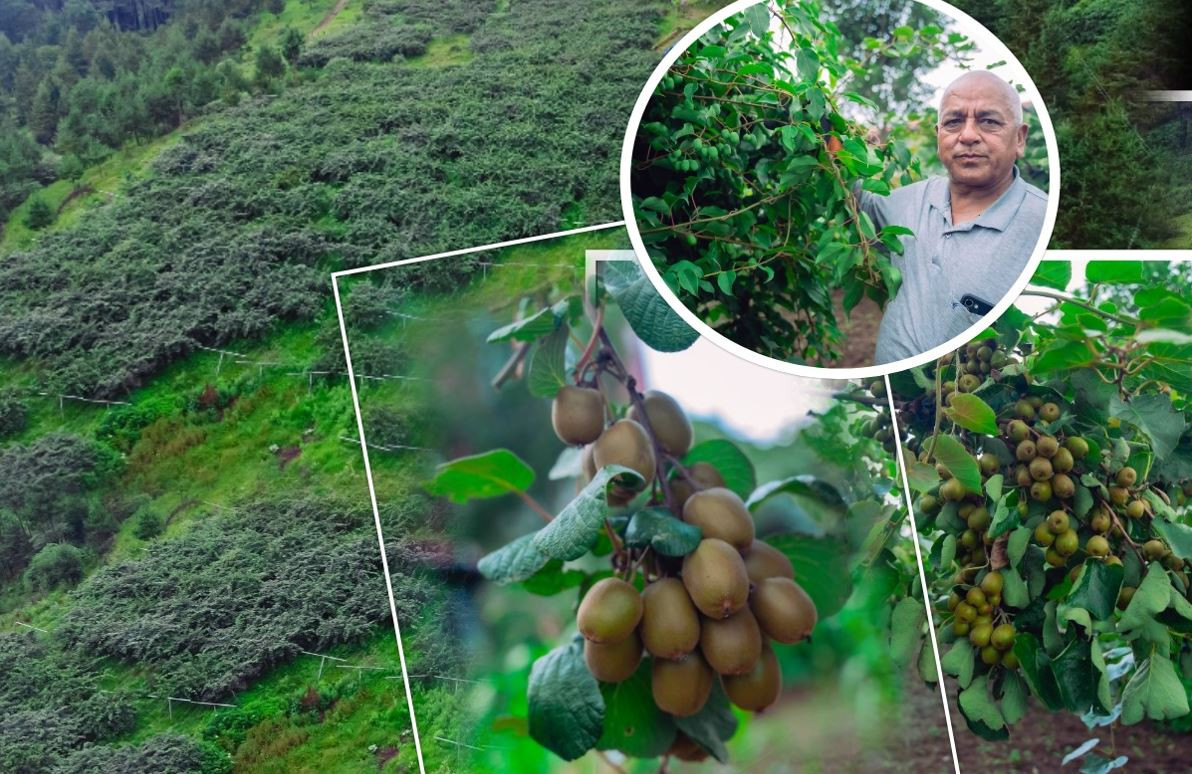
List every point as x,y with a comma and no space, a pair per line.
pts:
855,185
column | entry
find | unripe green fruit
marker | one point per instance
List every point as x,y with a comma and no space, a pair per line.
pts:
1043,535
1024,410
1047,446
960,628
1078,446
1054,558
610,611
990,655
1041,469
613,662
1063,461
715,578
1097,546
783,610
1124,597
720,513
1127,476
1022,475
979,634
952,490
978,520
732,645
1025,451
943,471
877,388
1062,486
929,504
964,510
954,599
1049,412
1009,660
1113,560
1067,543
968,383
667,419
984,353
681,688
577,414
1041,491
670,624
1034,401
1119,495
626,443
992,583
966,612
948,386
758,688
1003,637
975,597
1154,550
764,561
1136,509
1018,430
1100,521
989,464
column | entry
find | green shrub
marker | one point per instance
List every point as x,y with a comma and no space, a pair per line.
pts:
58,564
14,414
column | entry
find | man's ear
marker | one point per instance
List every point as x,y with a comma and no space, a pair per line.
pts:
1021,140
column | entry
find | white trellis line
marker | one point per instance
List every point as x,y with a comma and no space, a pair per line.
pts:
390,448
322,662
31,626
171,699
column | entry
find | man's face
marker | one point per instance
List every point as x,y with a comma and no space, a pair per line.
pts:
977,135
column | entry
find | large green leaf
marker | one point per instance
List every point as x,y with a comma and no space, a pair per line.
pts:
959,462
553,579
980,710
1096,588
514,562
821,568
541,323
1150,599
1035,667
1178,537
1053,274
566,709
651,318
1074,673
1154,416
972,413
659,529
958,662
633,723
548,364
1113,272
1154,692
576,527
729,460
1062,356
906,629
713,725
491,474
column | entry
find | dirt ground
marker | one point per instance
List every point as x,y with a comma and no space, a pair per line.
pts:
860,332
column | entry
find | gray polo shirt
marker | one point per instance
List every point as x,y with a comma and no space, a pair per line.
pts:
943,262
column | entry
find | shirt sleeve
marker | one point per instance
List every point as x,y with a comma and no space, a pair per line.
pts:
872,205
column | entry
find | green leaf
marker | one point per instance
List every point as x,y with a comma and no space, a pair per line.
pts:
651,318
1005,515
958,662
922,477
548,364
480,476
633,723
1063,356
978,706
948,550
1035,667
1154,417
1013,698
576,527
1016,546
1073,670
726,457
906,629
821,568
566,710
713,725
1154,692
1150,599
1053,274
758,19
1113,272
1177,536
1014,591
963,467
553,579
972,413
659,529
513,562
1096,588
927,664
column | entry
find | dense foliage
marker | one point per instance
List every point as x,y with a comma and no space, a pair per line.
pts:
1057,504
746,171
1093,62
241,221
214,608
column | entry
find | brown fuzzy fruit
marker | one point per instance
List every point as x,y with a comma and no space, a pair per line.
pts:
989,464
1041,491
715,578
1041,469
667,419
783,610
952,490
720,513
1047,446
1062,486
1135,509
1127,476
764,561
610,611
626,443
685,749
759,688
670,624
702,476
1097,546
732,645
1018,430
1049,412
577,414
681,688
1026,451
1063,461
1077,445
613,662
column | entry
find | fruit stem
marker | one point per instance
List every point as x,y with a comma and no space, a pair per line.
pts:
535,506
1077,302
582,363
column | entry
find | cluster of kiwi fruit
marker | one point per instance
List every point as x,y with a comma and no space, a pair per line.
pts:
706,616
1049,460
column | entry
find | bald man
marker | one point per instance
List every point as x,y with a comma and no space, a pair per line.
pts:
974,230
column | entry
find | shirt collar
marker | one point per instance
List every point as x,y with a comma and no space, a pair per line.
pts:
999,214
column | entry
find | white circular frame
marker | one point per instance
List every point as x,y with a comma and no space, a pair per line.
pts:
818,372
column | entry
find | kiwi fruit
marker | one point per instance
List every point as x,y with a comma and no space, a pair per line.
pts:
1067,543
610,611
989,464
1024,410
1025,451
968,382
720,513
681,688
1018,430
783,610
1041,469
759,687
1063,460
1047,446
1002,636
1041,491
1049,412
1135,509
685,749
626,443
1043,535
667,419
992,583
1022,475
1127,476
732,645
1097,545
763,561
990,655
1154,550
577,414
1124,596
715,578
979,635
670,624
1062,486
1077,445
1119,495
952,490
613,662
1100,521
979,519
700,476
